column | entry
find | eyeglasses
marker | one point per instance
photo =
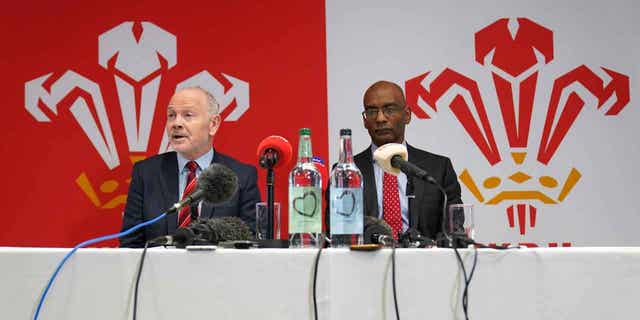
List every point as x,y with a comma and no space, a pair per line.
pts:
388,111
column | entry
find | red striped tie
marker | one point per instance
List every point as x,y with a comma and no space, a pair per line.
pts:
391,203
184,218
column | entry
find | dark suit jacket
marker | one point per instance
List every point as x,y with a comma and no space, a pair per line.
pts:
154,188
425,211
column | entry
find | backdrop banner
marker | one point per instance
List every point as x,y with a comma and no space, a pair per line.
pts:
87,87
533,102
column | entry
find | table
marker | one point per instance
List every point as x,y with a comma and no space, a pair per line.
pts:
540,283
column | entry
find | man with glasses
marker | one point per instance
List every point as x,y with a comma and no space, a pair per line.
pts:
385,116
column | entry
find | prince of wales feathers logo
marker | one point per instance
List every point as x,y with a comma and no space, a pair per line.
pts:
514,51
138,55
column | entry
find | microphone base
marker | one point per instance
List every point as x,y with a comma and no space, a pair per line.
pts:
273,243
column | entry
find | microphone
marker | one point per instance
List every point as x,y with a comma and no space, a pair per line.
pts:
392,158
412,238
274,152
207,232
377,231
216,184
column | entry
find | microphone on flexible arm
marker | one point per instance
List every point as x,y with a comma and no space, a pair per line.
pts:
216,184
393,159
207,232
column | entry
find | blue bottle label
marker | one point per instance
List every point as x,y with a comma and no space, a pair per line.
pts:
346,211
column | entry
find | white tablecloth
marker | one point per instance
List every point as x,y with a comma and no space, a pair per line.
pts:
562,283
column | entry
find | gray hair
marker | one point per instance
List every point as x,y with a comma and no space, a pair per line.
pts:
212,104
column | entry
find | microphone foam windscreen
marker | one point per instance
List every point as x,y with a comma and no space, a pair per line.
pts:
218,182
280,145
229,228
183,237
375,226
384,153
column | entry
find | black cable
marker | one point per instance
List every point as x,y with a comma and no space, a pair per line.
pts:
138,276
315,280
464,274
465,294
393,279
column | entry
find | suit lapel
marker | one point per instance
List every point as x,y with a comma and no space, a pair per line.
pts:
169,181
419,188
206,208
364,163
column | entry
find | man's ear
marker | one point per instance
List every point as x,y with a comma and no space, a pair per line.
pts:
407,115
214,124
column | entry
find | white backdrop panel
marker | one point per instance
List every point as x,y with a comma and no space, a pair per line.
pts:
373,40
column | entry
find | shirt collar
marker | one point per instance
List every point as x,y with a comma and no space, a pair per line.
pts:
203,162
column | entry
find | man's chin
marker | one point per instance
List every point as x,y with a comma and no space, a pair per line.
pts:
384,139
181,148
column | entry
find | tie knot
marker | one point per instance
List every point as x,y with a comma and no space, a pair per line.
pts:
192,166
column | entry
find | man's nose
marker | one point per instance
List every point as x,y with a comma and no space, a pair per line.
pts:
380,117
177,122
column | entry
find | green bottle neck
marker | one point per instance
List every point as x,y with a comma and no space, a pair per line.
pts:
305,153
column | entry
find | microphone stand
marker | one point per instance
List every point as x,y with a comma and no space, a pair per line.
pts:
430,179
268,161
270,202
413,215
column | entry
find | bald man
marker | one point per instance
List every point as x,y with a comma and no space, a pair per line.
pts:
159,181
386,116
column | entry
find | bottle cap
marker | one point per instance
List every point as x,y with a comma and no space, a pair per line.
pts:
345,132
305,131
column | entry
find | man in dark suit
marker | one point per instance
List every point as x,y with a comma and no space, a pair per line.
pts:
159,181
385,116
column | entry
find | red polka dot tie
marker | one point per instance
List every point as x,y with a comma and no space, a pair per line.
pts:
391,203
184,218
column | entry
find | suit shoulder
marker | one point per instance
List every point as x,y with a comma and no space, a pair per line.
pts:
427,156
155,160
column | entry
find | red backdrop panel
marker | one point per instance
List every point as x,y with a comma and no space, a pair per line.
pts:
278,49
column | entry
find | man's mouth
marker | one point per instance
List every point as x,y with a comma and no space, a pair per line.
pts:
384,131
178,137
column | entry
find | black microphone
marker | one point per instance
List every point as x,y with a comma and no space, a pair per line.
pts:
207,232
411,169
392,158
412,238
377,231
216,184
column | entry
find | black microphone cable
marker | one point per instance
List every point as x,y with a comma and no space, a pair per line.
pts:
315,276
393,278
452,241
138,276
467,280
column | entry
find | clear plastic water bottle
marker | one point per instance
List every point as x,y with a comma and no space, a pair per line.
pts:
305,198
346,206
